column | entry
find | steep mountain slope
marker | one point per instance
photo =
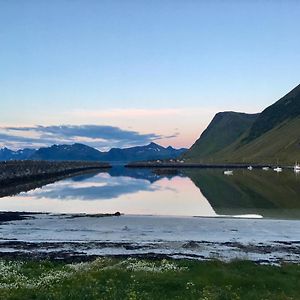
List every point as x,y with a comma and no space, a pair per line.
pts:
287,108
281,144
224,129
273,136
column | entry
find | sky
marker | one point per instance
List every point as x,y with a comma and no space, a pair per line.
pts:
120,73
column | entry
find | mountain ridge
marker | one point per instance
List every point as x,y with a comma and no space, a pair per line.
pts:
78,151
273,137
231,124
287,107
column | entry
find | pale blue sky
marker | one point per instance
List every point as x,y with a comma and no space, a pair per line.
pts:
61,62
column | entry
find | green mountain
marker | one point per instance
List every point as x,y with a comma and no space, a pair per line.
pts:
285,109
224,130
273,135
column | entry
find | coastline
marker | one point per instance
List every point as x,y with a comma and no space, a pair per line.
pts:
85,237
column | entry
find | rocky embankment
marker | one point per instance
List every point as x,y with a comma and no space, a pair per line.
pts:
170,165
16,171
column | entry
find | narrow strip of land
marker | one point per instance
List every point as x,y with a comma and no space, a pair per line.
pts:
13,172
151,164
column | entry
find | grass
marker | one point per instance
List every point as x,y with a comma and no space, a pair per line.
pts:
107,278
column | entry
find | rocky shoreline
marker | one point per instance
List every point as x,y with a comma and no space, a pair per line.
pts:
85,251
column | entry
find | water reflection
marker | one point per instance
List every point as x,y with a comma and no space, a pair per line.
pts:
99,187
266,193
191,192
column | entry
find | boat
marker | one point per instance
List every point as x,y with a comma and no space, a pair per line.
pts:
250,168
278,169
228,172
266,168
297,167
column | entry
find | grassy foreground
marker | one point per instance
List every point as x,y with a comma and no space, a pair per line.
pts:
107,278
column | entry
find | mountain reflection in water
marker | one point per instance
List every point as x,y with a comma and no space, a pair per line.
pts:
258,192
191,192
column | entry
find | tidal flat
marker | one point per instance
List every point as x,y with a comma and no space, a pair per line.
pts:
69,236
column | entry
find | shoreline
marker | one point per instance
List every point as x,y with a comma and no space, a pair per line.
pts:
85,237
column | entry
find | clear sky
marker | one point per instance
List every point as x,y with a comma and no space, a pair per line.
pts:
143,70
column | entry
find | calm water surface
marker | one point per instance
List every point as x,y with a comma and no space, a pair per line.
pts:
191,192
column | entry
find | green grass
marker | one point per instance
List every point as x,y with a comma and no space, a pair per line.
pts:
143,279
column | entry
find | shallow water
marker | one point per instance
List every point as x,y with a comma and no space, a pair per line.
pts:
190,192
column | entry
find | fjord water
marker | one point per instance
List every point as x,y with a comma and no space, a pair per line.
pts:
189,192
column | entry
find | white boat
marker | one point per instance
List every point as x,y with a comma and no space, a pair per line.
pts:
297,167
278,169
250,168
228,172
266,168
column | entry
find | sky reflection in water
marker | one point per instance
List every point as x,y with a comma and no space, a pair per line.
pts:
104,193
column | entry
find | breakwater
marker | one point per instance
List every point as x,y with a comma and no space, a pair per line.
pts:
191,165
19,171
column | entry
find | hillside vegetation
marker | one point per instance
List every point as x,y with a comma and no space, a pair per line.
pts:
224,129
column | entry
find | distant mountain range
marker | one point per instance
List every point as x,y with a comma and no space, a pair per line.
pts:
83,152
67,152
7,154
268,137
